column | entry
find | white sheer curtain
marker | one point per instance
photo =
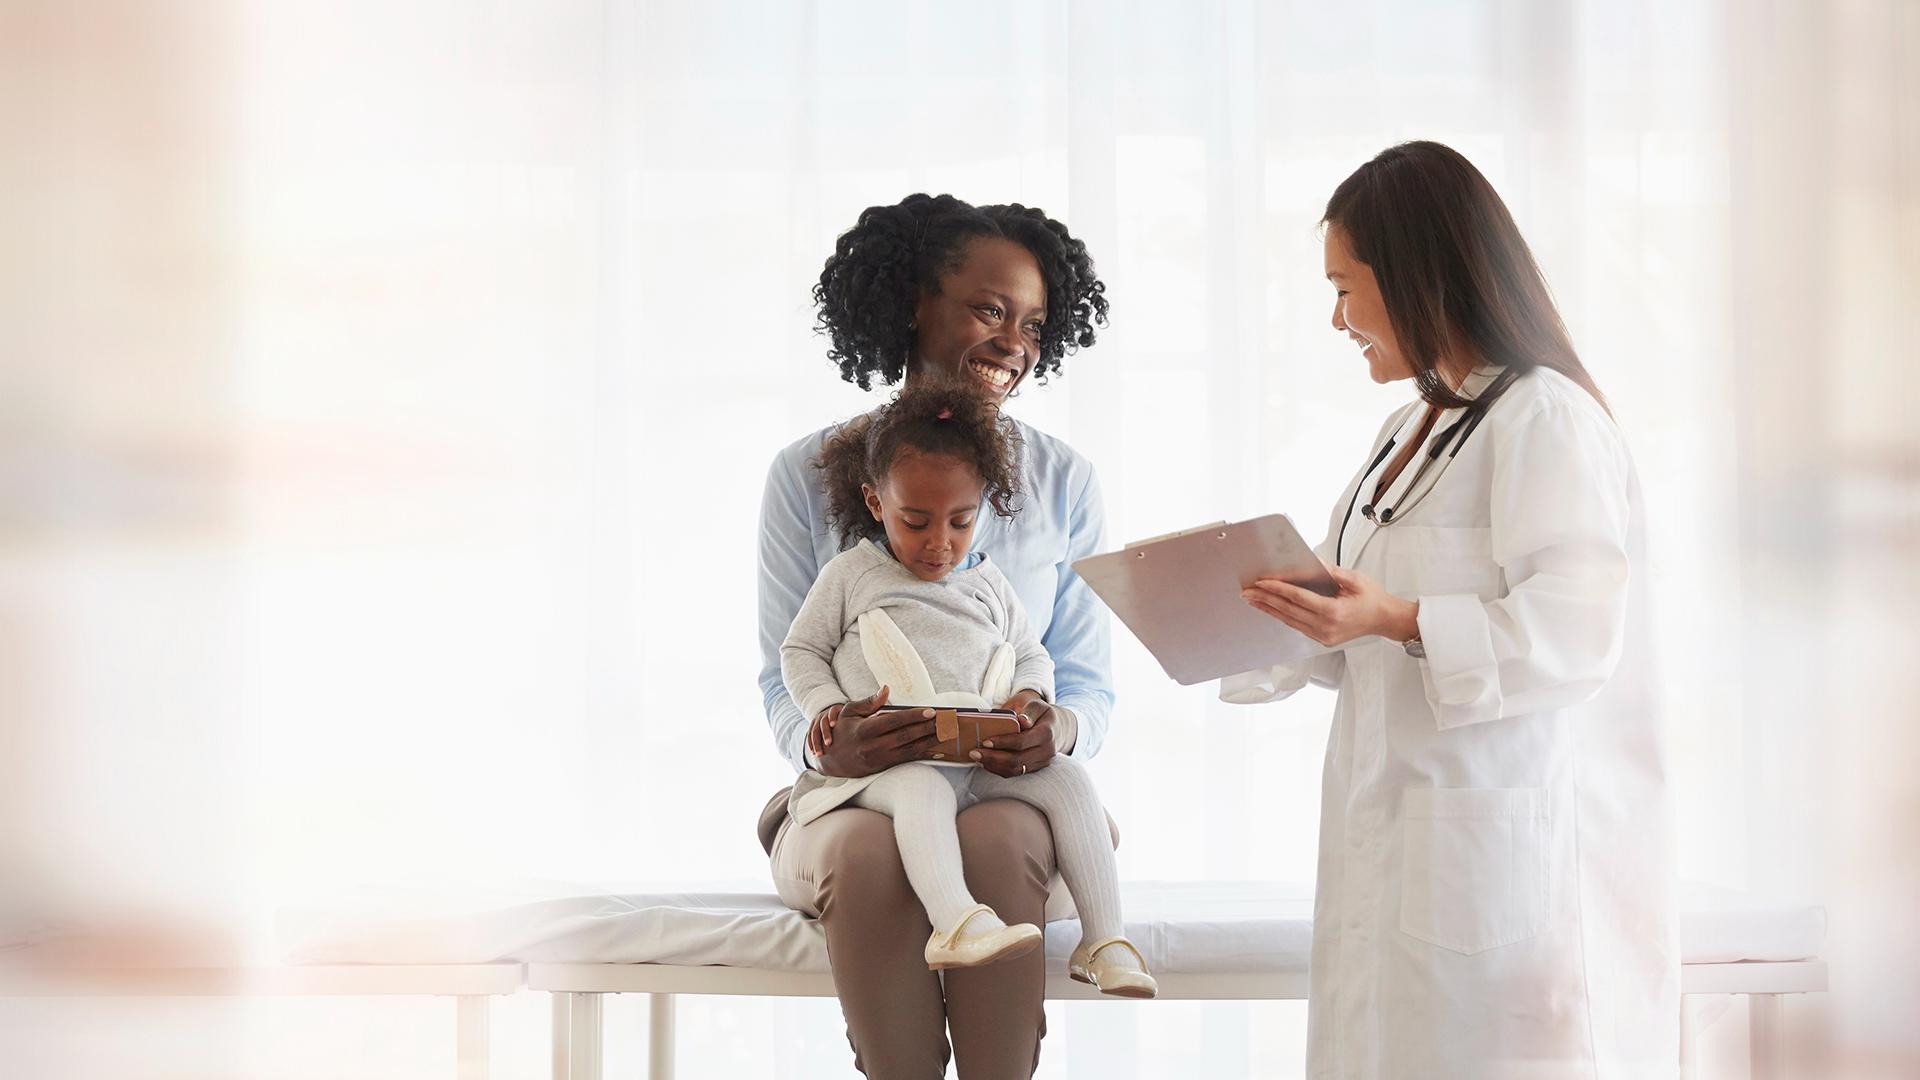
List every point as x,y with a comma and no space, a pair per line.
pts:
397,385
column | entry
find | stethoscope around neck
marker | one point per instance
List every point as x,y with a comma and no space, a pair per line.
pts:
1448,445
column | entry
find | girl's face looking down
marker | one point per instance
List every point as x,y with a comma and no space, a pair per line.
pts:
984,324
928,504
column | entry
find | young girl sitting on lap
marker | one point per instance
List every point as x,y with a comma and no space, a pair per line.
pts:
911,614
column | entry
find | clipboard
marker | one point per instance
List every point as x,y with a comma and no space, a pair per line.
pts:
1180,595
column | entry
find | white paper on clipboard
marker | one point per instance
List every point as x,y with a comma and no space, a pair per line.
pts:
1180,595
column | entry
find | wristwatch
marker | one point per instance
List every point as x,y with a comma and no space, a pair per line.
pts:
1414,648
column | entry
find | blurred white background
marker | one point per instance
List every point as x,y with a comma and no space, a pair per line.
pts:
386,392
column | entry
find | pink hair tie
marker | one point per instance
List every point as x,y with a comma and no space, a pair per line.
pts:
945,414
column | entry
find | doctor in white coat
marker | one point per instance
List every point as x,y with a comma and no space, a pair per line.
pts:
1494,895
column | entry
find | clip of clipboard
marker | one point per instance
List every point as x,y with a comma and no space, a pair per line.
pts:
1180,595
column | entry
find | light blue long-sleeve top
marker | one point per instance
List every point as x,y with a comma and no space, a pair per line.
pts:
1061,519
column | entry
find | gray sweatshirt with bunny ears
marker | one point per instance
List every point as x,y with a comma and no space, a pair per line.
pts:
956,624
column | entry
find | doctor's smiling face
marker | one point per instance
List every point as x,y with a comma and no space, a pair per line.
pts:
1360,312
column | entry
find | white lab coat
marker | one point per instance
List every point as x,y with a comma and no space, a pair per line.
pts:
1495,886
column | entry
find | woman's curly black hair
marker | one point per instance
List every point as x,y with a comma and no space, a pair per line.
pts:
944,418
871,283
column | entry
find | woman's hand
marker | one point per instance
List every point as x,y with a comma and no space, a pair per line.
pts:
858,740
1029,750
1362,607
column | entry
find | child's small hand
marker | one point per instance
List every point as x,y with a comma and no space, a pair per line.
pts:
820,733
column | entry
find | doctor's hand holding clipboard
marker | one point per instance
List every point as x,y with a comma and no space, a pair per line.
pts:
1495,883
1362,607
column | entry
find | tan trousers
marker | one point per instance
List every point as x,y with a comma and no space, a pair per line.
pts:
844,869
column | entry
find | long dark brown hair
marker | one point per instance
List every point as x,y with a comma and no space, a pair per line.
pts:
1457,278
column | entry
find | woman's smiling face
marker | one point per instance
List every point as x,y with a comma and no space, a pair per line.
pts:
1360,313
984,324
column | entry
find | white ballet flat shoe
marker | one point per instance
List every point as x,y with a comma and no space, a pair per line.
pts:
1100,967
959,949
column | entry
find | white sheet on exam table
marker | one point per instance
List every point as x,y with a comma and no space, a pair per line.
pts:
1181,926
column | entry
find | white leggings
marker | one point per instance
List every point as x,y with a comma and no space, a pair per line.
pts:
922,800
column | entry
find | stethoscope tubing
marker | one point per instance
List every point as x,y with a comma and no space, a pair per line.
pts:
1455,434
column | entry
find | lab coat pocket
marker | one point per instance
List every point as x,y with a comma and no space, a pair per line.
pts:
1474,865
1425,560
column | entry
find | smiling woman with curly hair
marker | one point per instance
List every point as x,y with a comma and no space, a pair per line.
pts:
897,257
931,290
